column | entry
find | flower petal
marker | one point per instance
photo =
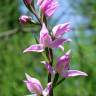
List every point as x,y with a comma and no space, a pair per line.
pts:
33,80
50,10
72,73
46,40
65,56
44,36
48,7
48,67
34,48
47,89
60,29
61,47
44,30
33,85
57,42
63,62
39,2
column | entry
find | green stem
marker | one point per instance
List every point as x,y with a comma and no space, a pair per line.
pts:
36,15
50,59
59,82
56,77
49,55
49,75
43,19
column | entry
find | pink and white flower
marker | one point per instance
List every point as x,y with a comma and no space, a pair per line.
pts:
45,40
35,87
62,67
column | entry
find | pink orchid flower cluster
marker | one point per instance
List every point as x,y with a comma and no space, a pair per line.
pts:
47,42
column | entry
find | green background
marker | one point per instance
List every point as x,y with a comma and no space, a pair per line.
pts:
14,38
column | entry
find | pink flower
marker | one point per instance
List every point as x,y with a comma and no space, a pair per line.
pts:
62,67
34,86
27,2
45,40
24,19
48,7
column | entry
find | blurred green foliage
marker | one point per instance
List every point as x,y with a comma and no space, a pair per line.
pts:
14,38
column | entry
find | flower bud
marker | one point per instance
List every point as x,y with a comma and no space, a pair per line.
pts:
24,19
27,2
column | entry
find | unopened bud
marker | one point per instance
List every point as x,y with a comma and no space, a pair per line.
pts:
24,19
27,2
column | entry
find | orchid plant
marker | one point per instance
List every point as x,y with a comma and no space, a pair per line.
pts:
47,42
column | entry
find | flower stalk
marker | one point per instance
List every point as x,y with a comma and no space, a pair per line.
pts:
46,43
36,15
50,58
